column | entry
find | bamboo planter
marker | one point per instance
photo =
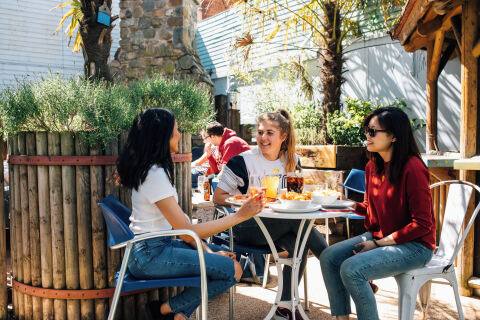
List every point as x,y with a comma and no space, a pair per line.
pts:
58,236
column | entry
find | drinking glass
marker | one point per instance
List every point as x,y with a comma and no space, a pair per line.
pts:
294,183
271,182
255,185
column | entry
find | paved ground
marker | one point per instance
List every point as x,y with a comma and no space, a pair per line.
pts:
253,302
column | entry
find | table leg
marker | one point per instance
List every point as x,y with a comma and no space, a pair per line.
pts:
294,263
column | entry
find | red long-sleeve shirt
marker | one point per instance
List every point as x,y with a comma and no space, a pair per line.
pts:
403,209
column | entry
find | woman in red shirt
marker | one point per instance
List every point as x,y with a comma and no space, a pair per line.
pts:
398,217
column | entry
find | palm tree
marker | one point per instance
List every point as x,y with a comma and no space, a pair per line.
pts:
330,23
93,38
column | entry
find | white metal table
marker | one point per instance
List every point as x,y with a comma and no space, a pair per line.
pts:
293,262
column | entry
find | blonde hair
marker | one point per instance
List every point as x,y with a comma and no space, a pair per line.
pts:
283,119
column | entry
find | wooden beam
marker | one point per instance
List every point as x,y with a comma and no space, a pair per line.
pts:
425,28
457,29
468,129
476,49
418,42
432,99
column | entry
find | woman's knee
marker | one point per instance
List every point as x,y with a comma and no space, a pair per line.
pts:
350,270
238,270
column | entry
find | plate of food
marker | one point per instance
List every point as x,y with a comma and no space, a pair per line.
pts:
240,199
280,207
339,204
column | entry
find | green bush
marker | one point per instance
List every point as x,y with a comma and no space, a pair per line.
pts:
345,127
55,104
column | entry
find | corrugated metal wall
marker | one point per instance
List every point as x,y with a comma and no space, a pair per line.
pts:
29,46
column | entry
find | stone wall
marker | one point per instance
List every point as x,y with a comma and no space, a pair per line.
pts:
158,36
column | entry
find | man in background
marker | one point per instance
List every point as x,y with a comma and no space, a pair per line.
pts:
228,145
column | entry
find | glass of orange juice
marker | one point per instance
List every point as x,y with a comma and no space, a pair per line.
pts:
271,182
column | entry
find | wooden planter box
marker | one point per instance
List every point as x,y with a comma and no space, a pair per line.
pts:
332,157
58,235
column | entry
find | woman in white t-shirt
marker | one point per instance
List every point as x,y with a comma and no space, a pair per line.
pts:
146,166
275,154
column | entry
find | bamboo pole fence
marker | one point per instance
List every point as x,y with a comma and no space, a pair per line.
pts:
58,241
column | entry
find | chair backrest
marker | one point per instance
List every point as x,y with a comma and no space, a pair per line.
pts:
458,198
116,217
355,181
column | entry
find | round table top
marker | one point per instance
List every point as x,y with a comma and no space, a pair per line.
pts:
269,213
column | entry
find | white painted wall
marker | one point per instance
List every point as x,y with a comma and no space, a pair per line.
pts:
381,69
29,46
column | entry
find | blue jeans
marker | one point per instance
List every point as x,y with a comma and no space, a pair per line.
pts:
170,258
346,274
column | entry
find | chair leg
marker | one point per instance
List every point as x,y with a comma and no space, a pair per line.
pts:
231,295
197,313
452,278
407,296
326,230
424,295
348,228
305,289
265,272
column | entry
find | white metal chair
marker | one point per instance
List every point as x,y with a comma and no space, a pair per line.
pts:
418,281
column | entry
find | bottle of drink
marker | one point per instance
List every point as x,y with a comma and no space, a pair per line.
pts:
206,189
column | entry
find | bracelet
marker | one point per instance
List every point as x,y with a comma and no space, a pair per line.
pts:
376,243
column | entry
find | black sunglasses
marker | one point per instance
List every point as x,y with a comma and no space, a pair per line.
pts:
373,132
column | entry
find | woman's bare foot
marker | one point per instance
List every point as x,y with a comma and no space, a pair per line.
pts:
346,317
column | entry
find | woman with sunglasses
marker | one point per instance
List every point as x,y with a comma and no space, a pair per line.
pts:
146,167
398,217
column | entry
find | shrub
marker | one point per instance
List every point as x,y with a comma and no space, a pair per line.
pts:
345,128
55,104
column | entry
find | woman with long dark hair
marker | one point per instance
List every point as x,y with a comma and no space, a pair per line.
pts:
145,165
398,217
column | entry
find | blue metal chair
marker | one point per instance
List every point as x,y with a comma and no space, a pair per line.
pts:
355,182
116,216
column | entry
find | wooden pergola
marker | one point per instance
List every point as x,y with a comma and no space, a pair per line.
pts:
448,29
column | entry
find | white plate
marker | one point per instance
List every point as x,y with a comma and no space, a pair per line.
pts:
232,201
281,208
339,204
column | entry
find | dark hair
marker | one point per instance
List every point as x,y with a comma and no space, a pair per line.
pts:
214,129
148,143
396,122
284,122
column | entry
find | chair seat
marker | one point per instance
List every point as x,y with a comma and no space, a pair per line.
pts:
435,266
131,283
353,216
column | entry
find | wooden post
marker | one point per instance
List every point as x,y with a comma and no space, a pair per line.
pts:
3,243
56,214
25,236
70,225
34,226
84,227
45,224
113,256
126,199
468,128
20,309
97,187
434,51
13,245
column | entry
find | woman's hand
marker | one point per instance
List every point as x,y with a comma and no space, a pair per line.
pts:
227,254
365,246
251,207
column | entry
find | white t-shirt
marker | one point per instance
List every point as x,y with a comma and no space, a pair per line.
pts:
146,217
255,164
